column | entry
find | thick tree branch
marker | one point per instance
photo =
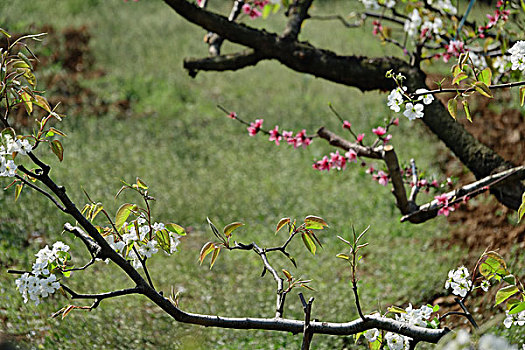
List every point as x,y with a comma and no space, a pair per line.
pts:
234,61
298,13
366,74
496,181
394,171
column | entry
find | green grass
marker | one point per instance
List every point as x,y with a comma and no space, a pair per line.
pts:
199,163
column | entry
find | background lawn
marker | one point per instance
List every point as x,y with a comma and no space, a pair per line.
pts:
198,163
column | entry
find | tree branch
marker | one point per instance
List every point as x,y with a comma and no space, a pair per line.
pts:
101,296
38,189
234,61
298,13
394,171
337,141
429,210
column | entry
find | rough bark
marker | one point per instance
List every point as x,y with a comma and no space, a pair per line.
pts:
364,73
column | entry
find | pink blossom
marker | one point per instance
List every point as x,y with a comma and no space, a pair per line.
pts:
300,139
454,48
251,11
351,155
382,178
370,170
232,115
445,211
434,184
442,199
337,161
323,164
246,8
423,182
396,122
275,136
287,135
379,131
346,124
387,138
360,138
254,128
378,28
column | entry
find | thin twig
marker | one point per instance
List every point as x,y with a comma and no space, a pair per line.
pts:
38,189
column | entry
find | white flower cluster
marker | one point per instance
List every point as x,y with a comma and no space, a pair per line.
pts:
416,317
515,319
145,247
501,63
445,5
415,24
517,55
413,109
41,283
376,4
22,147
459,281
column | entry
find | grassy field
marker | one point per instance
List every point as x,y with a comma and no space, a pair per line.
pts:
199,163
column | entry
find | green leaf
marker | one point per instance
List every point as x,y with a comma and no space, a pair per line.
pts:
510,279
308,242
483,89
56,131
453,107
485,76
505,293
18,190
343,256
467,110
25,59
522,95
26,98
521,209
163,239
123,213
435,308
396,310
176,229
459,78
281,223
97,208
5,33
517,307
216,252
228,229
266,10
314,222
58,149
141,184
493,267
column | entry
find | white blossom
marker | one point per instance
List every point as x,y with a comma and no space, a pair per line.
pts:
48,286
413,111
148,249
517,57
500,63
427,98
395,99
514,319
459,281
412,23
372,334
44,255
395,341
485,284
40,269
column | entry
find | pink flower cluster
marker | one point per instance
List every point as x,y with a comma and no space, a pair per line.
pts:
442,199
378,28
336,161
254,128
499,14
380,176
454,49
254,11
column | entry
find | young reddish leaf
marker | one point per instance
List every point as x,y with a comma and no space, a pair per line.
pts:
288,275
26,98
67,311
485,76
344,240
18,190
281,223
314,222
228,229
56,131
459,78
505,293
58,149
205,250
215,230
307,287
216,252
123,213
452,107
467,110
483,89
176,229
312,235
41,102
309,243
